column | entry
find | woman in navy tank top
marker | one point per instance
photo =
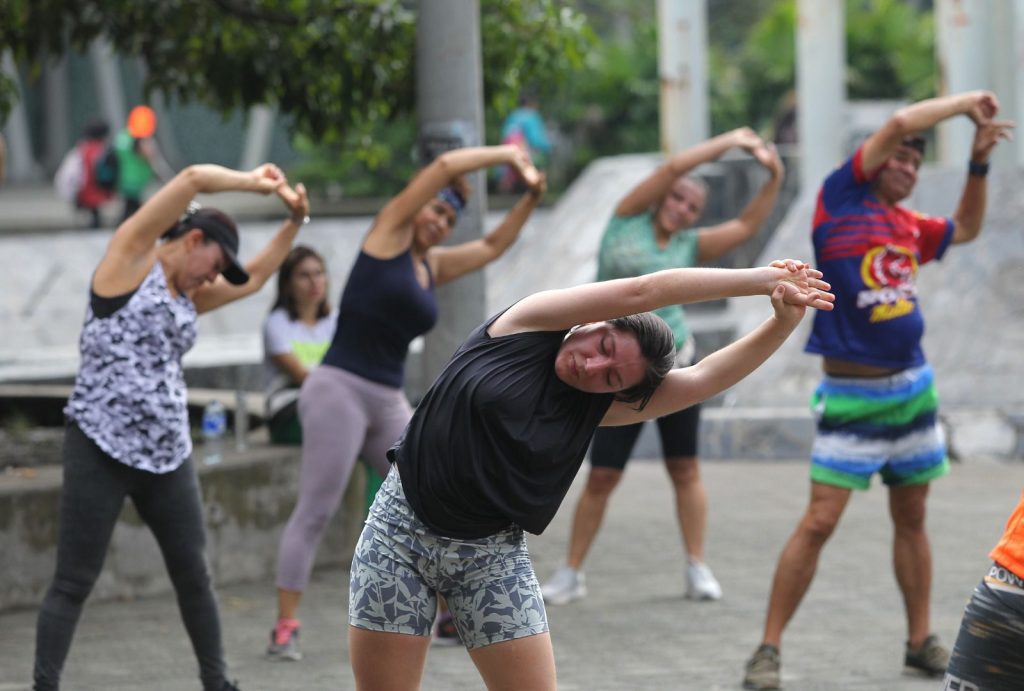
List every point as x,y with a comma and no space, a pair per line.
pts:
353,404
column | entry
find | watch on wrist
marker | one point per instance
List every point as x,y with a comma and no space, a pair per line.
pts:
978,170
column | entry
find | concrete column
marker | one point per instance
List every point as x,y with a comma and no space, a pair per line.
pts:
821,88
21,165
965,45
449,104
58,137
257,137
682,73
1013,100
108,84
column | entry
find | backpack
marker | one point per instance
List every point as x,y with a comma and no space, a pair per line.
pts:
106,169
70,175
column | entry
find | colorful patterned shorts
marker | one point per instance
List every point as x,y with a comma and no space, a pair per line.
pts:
400,565
987,655
887,425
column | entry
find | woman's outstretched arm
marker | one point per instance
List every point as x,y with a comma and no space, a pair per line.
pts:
554,310
391,235
449,263
652,188
266,262
132,248
722,369
714,241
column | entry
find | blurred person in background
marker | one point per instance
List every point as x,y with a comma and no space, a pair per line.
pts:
353,404
877,406
653,229
296,334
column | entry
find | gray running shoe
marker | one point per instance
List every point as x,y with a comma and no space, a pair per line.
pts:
764,669
930,659
567,585
286,647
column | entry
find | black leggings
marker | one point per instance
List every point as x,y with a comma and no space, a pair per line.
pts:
95,487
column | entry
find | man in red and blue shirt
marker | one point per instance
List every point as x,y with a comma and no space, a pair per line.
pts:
876,406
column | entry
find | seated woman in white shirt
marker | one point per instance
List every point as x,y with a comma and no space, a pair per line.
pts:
296,335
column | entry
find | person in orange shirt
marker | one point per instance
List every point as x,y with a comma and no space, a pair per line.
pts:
989,650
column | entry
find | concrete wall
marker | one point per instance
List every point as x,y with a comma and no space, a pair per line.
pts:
247,500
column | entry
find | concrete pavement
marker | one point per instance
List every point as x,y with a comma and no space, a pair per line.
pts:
634,631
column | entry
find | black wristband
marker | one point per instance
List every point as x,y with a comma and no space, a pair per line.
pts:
978,170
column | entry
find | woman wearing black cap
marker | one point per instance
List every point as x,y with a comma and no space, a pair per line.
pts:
128,428
353,403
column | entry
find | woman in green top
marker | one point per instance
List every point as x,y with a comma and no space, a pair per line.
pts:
650,231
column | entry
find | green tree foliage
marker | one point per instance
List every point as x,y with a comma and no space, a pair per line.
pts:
891,49
336,68
611,107
889,53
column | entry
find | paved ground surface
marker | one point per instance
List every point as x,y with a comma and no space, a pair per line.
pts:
635,631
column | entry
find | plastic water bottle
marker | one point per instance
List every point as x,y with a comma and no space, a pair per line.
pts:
215,423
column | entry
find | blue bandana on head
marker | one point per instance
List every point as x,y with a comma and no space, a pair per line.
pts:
453,198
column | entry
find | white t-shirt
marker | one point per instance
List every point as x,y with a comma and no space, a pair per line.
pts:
306,342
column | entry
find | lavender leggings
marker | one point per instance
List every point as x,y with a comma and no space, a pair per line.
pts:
343,416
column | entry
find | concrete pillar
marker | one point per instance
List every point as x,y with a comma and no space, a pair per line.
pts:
965,45
821,88
1011,62
449,104
108,84
682,73
258,136
58,136
21,165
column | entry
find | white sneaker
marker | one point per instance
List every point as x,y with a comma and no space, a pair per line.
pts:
700,582
567,585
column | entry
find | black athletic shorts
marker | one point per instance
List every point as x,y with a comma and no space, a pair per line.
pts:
613,445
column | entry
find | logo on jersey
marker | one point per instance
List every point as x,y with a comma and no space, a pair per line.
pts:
888,272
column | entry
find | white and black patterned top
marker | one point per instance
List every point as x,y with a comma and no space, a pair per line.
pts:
129,395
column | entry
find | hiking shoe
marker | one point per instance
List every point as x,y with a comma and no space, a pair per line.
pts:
230,686
764,669
567,585
284,641
445,632
700,582
931,658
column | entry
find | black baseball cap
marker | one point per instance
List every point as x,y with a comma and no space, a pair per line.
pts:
214,228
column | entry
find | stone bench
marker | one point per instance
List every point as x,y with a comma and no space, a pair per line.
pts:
247,498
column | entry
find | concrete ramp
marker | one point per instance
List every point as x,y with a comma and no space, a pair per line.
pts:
559,248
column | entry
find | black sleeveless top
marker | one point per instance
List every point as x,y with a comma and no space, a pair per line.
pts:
383,308
498,438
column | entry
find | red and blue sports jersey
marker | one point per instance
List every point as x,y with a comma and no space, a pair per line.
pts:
871,253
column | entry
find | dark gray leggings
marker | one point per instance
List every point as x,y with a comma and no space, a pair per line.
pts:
95,487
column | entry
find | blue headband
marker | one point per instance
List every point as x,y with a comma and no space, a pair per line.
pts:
451,196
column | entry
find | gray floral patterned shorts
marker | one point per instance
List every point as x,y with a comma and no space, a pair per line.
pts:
400,565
